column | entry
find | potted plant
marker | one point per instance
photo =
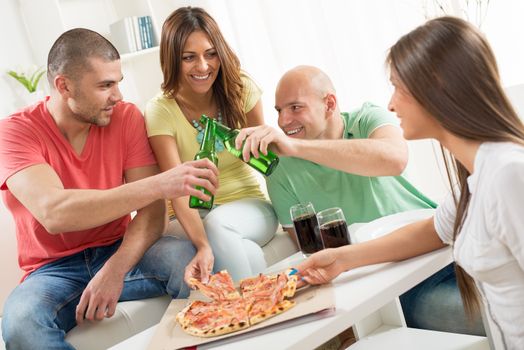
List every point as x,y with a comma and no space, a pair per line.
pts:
29,80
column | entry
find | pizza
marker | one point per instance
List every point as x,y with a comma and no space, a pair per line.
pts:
261,297
263,284
219,287
209,319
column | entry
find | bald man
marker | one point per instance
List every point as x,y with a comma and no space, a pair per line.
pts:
330,158
354,161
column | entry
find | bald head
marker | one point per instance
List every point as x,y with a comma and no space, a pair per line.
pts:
311,79
306,103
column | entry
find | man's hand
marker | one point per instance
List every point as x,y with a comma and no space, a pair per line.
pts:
182,179
258,138
100,297
321,267
200,266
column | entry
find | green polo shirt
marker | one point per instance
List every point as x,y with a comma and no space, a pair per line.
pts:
362,198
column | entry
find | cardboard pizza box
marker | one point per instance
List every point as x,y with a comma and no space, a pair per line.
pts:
312,302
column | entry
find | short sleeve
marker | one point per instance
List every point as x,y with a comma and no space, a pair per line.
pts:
281,195
445,219
157,117
251,92
139,151
19,148
370,117
508,217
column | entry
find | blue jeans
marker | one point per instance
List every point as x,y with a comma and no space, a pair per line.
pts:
435,304
39,311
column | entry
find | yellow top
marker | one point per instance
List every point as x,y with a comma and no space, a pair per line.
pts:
236,178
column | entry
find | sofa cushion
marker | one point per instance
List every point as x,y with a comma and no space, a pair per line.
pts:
131,317
279,248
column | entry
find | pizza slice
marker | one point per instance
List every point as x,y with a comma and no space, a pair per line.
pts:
219,287
249,285
263,286
210,319
291,284
262,309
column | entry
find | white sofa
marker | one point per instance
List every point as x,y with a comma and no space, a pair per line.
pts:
131,317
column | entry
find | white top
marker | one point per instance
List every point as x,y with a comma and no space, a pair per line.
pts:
490,246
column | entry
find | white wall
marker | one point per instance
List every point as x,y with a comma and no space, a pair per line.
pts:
504,28
11,273
16,54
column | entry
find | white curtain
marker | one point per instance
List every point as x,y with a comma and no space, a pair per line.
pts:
347,39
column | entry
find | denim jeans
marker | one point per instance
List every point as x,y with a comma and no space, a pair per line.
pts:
435,304
39,311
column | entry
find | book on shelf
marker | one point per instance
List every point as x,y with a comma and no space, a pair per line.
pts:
131,34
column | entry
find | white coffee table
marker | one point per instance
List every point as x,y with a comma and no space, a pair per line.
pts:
365,299
364,294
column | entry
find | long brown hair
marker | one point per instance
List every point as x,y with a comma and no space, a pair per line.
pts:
227,89
449,68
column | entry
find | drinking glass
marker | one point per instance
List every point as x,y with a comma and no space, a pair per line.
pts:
333,228
306,228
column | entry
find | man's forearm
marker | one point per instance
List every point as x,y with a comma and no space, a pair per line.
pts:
365,157
74,210
142,232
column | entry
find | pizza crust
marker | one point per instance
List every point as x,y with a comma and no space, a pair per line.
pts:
181,316
229,316
279,308
230,328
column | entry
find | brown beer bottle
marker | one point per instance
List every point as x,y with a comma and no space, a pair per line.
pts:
207,150
264,163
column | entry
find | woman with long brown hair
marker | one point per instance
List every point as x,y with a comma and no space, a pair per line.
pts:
447,87
202,75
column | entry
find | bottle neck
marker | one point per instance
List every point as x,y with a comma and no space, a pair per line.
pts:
208,142
224,132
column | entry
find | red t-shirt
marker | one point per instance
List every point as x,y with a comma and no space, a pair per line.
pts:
31,137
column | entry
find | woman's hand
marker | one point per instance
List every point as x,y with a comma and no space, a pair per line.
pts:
200,266
321,267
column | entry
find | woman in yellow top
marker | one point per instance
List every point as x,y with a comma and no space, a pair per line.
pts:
202,76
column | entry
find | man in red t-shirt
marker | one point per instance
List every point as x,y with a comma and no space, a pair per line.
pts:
72,169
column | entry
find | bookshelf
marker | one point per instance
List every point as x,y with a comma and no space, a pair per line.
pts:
129,57
45,20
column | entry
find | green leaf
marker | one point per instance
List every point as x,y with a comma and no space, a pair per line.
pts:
35,78
31,83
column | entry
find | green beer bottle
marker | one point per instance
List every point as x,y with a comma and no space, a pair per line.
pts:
264,163
207,150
